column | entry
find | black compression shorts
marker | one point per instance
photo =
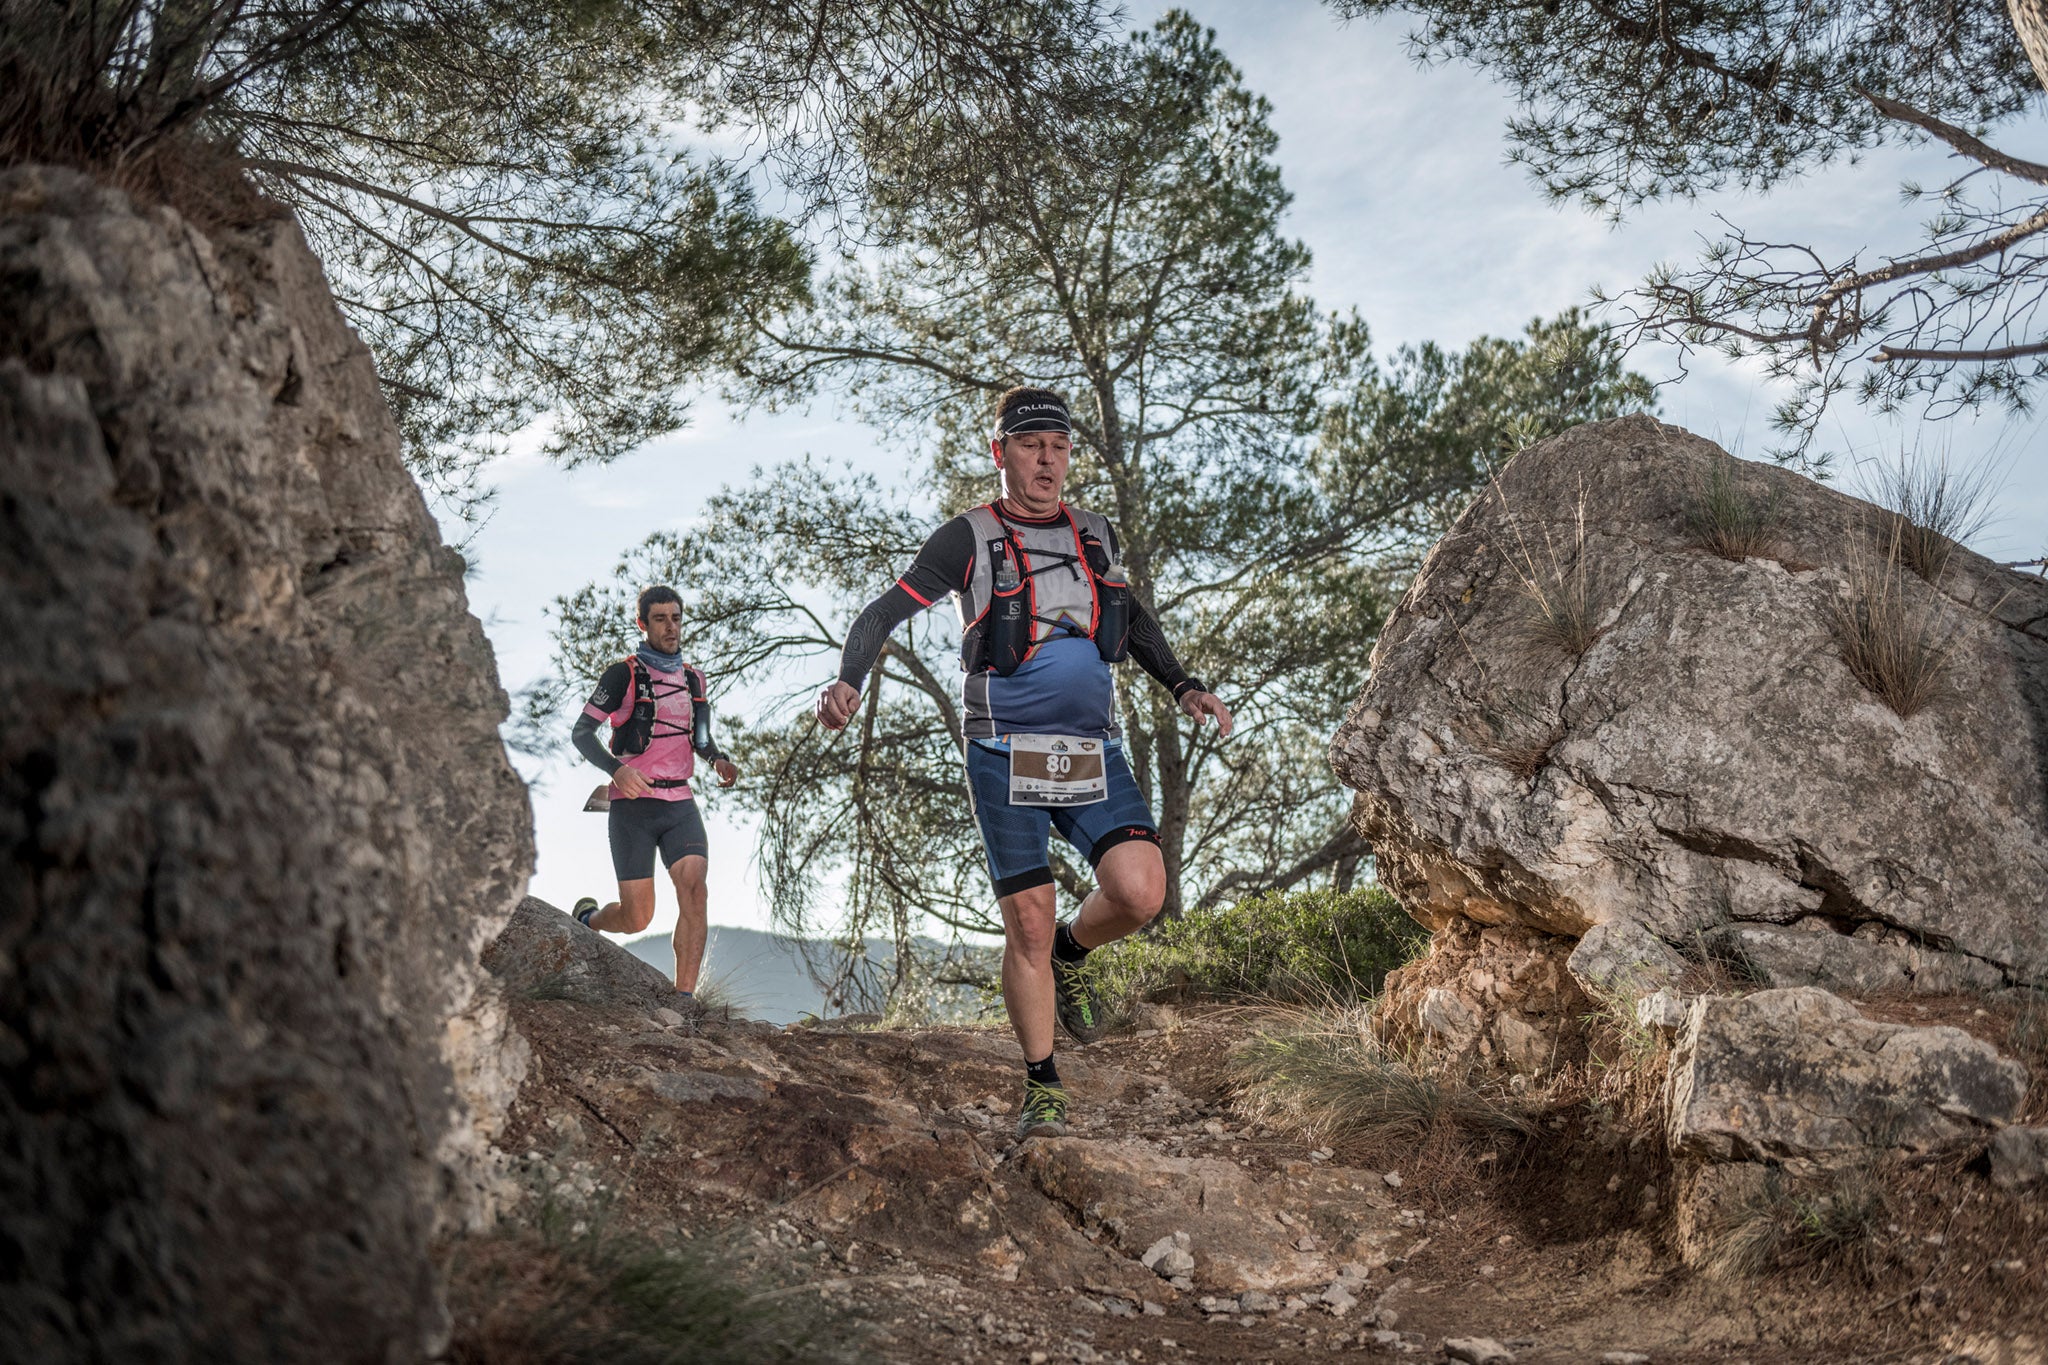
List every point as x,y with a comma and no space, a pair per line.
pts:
643,825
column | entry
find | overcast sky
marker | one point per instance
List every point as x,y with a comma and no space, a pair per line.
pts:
1402,191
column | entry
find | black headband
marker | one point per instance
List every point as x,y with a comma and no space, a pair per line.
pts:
1041,415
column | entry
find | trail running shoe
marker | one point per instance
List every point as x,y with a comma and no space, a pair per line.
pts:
585,908
1045,1111
1075,1003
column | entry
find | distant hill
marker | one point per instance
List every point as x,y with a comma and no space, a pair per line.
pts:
762,974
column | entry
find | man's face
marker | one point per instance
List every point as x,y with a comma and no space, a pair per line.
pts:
1034,467
663,626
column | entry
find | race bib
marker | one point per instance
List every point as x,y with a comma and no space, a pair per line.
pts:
1056,770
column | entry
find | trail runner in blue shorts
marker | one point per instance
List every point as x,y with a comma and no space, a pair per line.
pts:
1045,610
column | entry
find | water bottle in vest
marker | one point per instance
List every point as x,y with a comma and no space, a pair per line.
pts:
638,732
1113,627
1009,622
700,725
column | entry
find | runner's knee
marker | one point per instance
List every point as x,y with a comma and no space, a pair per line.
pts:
1134,876
1028,923
688,873
636,907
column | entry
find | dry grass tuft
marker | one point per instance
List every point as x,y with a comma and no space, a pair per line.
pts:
1836,1220
1554,583
577,1287
1727,518
1935,507
1897,638
1324,1072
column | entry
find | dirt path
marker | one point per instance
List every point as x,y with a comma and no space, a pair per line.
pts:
880,1166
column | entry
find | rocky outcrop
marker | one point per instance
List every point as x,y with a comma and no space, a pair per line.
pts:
544,952
1707,764
1801,1076
1497,995
256,819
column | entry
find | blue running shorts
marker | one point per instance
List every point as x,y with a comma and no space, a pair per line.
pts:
1016,836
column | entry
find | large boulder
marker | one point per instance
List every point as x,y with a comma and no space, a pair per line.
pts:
256,823
1706,778
543,952
1800,1075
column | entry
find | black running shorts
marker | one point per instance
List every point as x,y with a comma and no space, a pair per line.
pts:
645,824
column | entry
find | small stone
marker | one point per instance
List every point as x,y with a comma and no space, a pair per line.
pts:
1182,1282
1153,1310
1120,1308
1038,1358
1386,1317
1304,1243
1257,1301
1215,1128
1086,1304
668,1017
1478,1351
1339,1300
1625,1358
1393,1179
986,1324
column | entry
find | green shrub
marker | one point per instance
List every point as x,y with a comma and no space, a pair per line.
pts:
1305,945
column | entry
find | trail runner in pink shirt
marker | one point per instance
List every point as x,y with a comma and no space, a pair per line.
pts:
655,704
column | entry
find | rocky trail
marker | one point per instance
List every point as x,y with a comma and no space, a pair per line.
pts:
876,1170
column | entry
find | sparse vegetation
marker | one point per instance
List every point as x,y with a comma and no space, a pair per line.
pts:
1627,1063
1325,1072
1554,584
1896,637
1728,518
1935,507
1834,1219
575,1287
1299,946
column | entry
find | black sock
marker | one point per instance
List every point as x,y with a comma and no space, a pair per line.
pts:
1065,947
1045,1073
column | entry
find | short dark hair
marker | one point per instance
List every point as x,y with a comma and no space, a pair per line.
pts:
654,596
1025,396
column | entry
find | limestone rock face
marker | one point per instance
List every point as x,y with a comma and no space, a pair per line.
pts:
256,819
1709,760
543,951
1801,1075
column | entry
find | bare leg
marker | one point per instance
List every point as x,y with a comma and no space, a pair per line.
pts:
1130,886
687,873
1027,968
631,913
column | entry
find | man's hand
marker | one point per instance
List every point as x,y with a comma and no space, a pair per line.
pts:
728,772
1202,705
630,783
836,704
